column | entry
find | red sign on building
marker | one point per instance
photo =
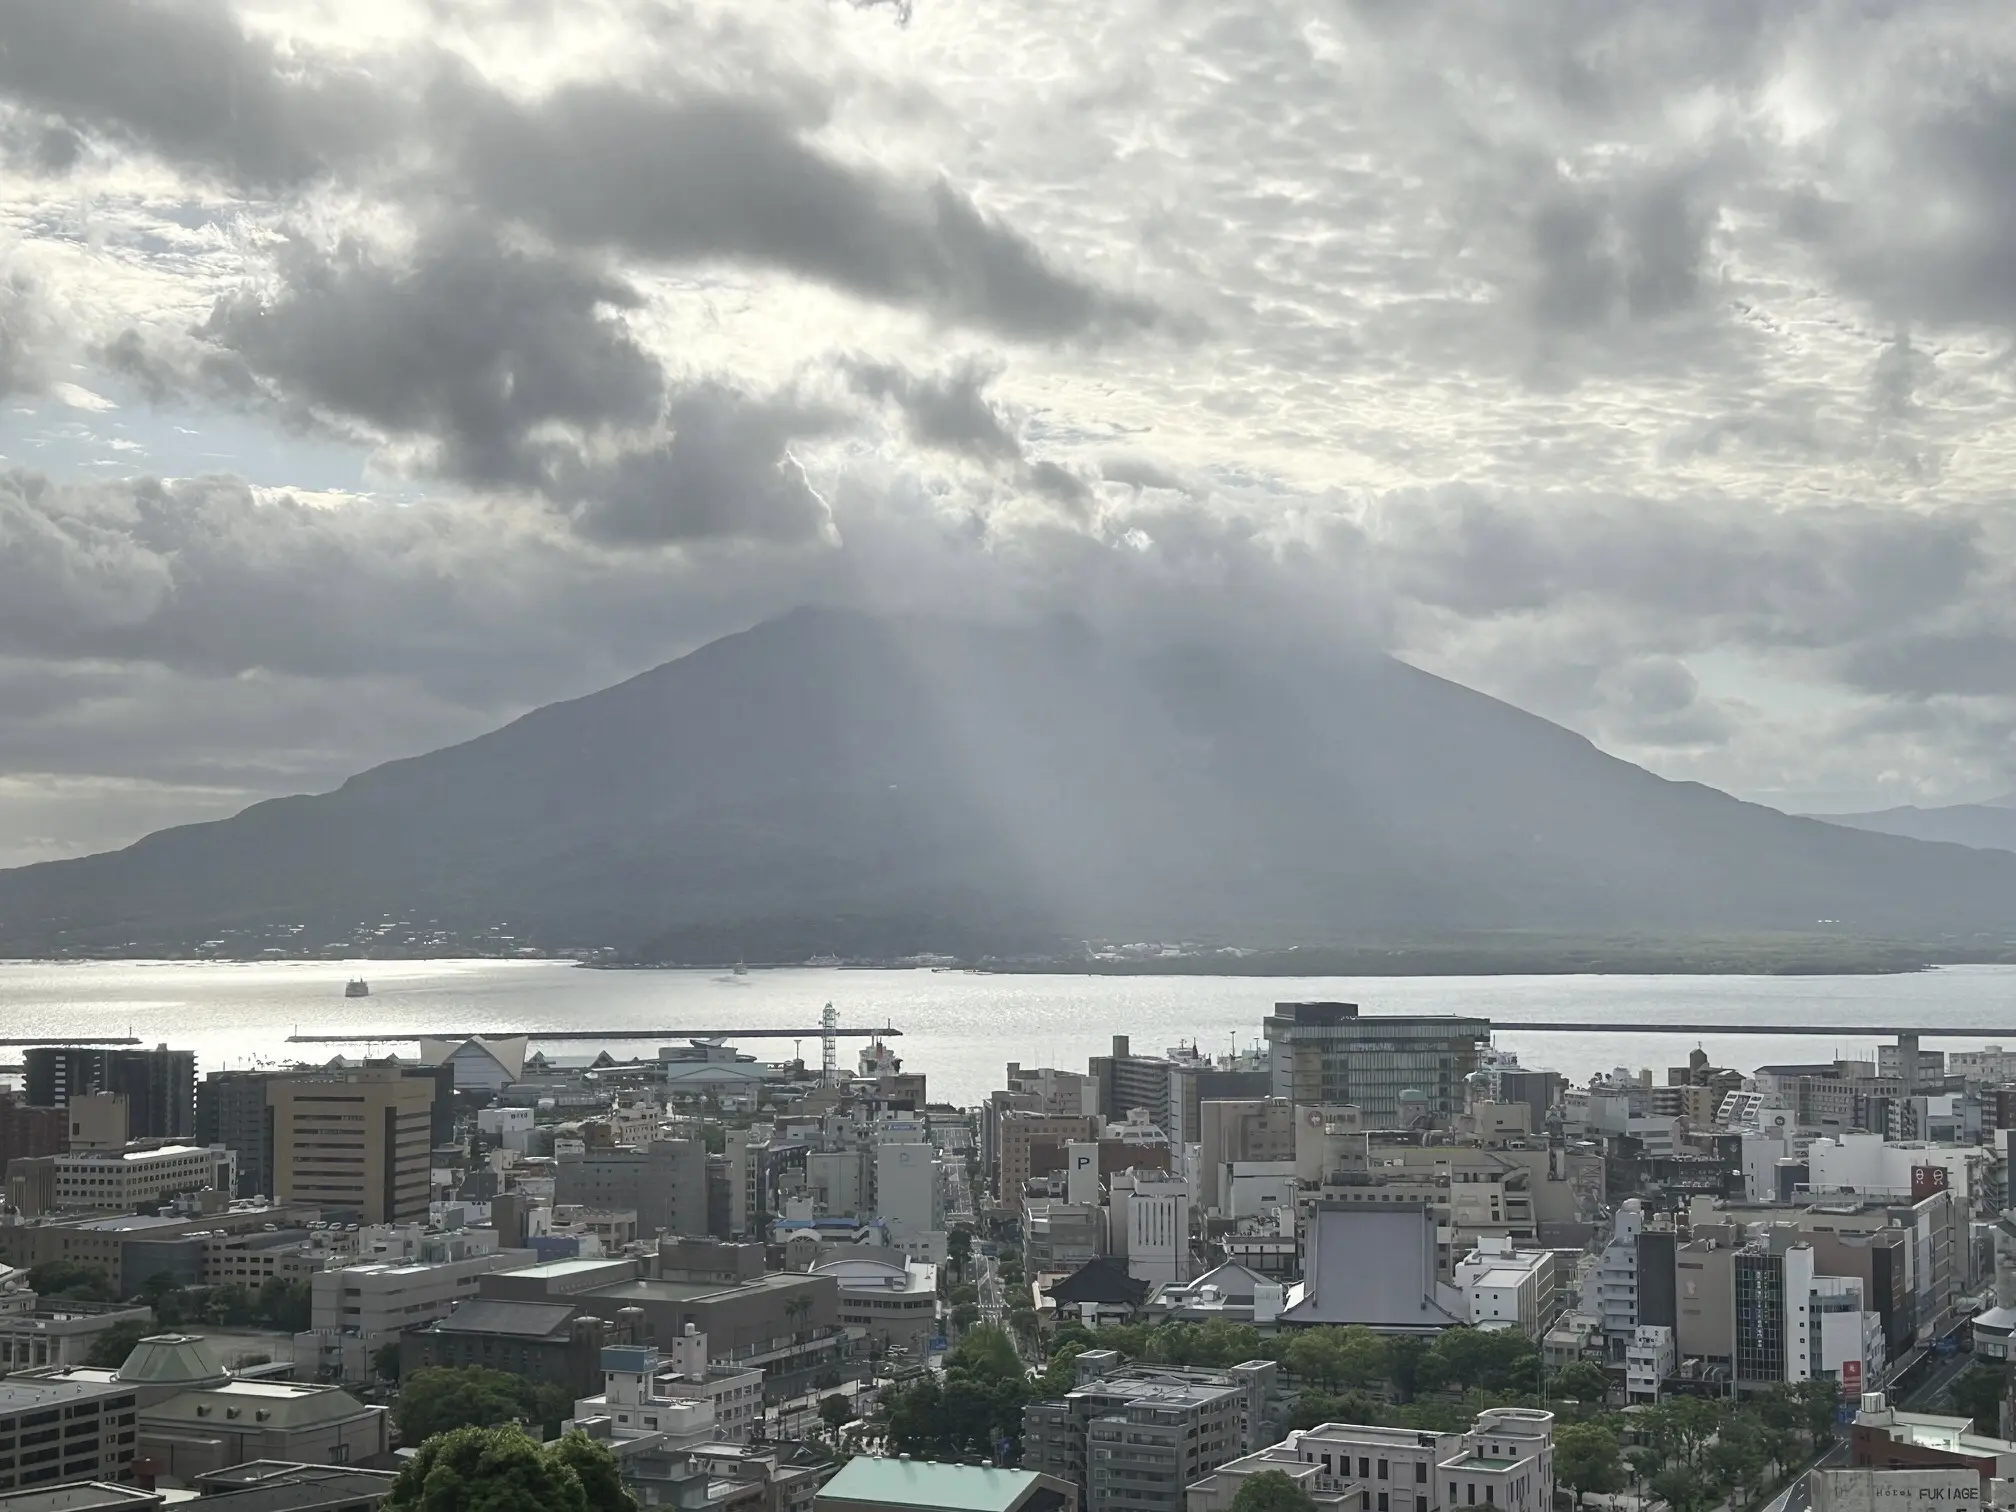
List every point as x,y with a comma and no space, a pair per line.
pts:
1851,1379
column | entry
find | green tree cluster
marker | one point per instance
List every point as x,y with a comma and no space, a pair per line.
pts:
972,1412
501,1470
110,1348
1696,1452
443,1398
71,1280
278,1304
1977,1393
1271,1491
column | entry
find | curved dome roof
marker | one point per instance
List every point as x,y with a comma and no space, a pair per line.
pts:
172,1360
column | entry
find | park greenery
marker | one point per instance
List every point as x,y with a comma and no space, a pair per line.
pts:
444,1398
971,1411
499,1469
110,1348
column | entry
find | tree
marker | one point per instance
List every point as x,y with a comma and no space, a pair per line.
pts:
1977,1394
1497,1360
1683,1488
1588,1457
959,1250
836,1412
1339,1357
285,1305
974,1411
494,1470
595,1467
110,1348
230,1304
1271,1491
1581,1381
1315,1407
1818,1401
70,1279
965,1315
385,1361
444,1398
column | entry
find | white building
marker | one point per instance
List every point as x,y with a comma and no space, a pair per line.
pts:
118,1181
1613,1294
1505,1461
1649,1359
1872,1166
629,1414
909,1190
892,1300
481,1065
1151,1225
1507,1287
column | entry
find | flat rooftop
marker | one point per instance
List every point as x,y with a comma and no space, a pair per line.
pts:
554,1269
916,1483
25,1394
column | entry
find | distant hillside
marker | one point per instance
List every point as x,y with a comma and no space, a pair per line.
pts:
830,782
1985,826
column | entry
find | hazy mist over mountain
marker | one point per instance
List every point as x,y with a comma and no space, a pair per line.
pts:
828,782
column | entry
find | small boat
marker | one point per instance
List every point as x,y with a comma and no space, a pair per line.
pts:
357,987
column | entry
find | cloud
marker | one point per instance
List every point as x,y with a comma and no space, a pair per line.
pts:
186,80
697,176
714,177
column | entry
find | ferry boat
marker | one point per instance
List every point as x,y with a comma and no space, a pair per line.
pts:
357,987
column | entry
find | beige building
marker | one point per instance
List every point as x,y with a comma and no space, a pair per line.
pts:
354,1142
1032,1144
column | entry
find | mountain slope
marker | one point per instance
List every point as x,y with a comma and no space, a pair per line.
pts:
1986,826
829,781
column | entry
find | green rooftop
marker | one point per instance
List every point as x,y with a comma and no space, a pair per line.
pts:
917,1483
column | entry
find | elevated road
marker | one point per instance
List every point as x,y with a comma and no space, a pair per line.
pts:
401,1036
1818,1030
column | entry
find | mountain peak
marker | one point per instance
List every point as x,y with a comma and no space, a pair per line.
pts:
835,781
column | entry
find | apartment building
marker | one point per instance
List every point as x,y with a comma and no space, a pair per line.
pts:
1133,1437
1128,1082
232,1111
1032,1144
664,1183
354,1142
159,1084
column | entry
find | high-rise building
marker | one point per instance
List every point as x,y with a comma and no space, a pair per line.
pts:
664,1183
1128,1081
353,1142
232,1110
1395,1069
159,1085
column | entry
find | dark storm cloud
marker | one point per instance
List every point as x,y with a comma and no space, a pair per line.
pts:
714,177
515,370
470,341
691,177
186,81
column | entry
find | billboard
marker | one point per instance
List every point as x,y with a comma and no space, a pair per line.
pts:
1896,1490
1851,1379
1926,1180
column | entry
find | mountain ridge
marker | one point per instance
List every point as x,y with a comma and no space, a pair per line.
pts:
835,782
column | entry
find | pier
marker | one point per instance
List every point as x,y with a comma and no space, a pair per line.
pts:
669,1035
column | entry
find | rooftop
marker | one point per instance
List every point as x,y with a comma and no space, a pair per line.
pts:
79,1496
915,1483
554,1269
26,1393
493,1315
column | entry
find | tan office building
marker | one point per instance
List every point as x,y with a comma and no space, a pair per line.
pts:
353,1142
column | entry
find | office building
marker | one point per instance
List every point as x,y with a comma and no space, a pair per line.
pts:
906,1485
1032,1144
116,1181
1133,1437
356,1310
353,1142
232,1110
159,1084
1504,1286
65,1429
551,1343
26,1130
1399,1071
664,1183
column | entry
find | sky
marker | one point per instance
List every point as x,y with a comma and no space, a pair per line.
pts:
374,370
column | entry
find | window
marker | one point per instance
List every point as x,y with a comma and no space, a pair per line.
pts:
1364,1467
1382,1473
1382,1501
1470,1493
1421,1472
